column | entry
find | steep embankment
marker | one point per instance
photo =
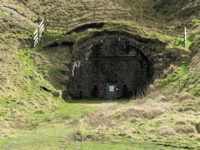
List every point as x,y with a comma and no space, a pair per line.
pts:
191,78
73,12
177,9
23,90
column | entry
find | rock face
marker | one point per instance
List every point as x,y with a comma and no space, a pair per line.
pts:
111,61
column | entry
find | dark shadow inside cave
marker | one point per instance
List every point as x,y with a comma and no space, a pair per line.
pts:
115,63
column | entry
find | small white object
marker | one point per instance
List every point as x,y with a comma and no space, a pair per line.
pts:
41,23
35,37
41,27
38,32
36,40
35,31
111,88
79,64
185,36
76,64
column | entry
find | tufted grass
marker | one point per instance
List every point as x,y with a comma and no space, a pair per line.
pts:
134,132
2,11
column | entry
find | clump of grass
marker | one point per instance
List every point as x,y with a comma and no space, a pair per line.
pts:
184,96
167,130
140,112
41,111
185,129
2,11
183,126
197,126
99,120
161,98
180,122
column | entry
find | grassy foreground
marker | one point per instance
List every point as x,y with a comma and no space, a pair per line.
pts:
95,124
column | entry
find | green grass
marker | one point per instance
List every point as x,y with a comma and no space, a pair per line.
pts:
30,70
173,80
180,71
77,108
51,63
54,134
2,11
180,42
86,145
48,37
28,98
48,135
43,138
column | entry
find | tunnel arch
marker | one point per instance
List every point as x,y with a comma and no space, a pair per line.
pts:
149,55
148,47
109,59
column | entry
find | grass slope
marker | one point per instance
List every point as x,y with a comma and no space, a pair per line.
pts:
22,94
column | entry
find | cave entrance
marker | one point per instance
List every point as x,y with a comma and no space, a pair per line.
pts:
122,73
111,64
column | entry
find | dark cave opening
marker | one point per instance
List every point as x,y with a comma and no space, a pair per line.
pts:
113,62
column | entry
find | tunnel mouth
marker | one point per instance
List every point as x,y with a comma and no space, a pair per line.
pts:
111,63
111,69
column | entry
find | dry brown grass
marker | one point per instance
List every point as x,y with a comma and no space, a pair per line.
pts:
184,129
63,10
153,118
103,118
167,130
198,102
184,125
140,112
161,98
120,119
184,96
41,111
181,122
5,124
99,120
197,126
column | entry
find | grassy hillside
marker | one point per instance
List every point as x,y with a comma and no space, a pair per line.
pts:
177,9
191,79
22,88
